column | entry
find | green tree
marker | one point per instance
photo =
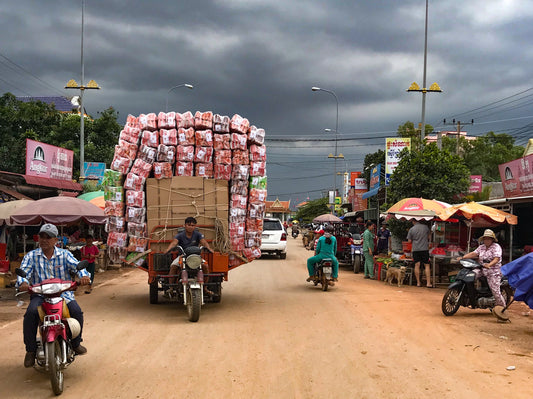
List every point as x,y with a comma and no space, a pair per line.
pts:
372,160
408,130
430,173
312,209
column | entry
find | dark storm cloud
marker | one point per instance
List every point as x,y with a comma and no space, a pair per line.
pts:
260,58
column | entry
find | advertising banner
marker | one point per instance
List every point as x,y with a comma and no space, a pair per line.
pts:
476,184
393,147
517,177
45,160
353,176
94,171
375,175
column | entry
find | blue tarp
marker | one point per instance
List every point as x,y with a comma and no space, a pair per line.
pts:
371,193
519,272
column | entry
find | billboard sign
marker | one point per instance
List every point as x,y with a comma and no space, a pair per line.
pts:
393,147
45,160
476,184
517,177
94,171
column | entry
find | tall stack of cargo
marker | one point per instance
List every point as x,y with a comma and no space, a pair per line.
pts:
171,165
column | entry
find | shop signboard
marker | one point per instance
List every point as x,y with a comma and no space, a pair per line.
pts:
393,147
94,171
476,184
45,160
353,176
517,177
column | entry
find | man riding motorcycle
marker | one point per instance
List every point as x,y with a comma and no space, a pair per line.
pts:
326,247
43,263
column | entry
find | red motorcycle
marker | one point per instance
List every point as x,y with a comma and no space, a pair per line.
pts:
57,328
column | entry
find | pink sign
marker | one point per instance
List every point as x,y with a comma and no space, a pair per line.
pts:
45,160
476,184
517,177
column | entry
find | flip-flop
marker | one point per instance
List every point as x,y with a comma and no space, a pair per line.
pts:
429,286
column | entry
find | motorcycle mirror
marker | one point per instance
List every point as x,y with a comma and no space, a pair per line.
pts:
82,265
19,272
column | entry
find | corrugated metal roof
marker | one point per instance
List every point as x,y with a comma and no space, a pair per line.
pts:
55,183
61,103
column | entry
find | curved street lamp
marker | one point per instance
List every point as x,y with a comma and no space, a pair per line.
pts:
188,86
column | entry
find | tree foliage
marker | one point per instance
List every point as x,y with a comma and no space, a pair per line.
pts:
312,209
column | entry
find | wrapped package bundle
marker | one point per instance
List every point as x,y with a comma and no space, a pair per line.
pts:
116,239
237,243
148,121
166,120
141,168
256,210
130,134
133,121
252,239
238,124
252,253
147,154
135,198
256,136
238,201
185,120
163,170
184,168
126,149
185,153
186,136
254,224
222,172
240,157
222,157
203,120
258,168
204,169
168,137
137,244
203,154
113,193
114,208
239,186
240,172
137,230
116,224
257,153
112,178
116,254
258,182
257,196
237,215
237,229
166,153
239,141
134,182
135,215
222,141
221,123
121,164
204,138
150,138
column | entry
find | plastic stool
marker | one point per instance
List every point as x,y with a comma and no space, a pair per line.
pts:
377,270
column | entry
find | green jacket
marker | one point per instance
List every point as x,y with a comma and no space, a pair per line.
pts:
326,249
368,241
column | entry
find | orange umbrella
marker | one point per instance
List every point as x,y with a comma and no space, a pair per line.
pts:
417,204
98,201
479,215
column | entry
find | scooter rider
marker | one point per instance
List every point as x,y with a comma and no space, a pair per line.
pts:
45,262
326,247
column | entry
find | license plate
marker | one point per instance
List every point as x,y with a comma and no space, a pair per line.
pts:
327,269
264,236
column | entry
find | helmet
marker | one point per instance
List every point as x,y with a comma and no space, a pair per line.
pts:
73,327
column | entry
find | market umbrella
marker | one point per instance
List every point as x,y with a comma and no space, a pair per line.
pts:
327,217
94,197
477,215
416,208
59,211
10,207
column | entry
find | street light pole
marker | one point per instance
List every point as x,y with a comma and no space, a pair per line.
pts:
175,87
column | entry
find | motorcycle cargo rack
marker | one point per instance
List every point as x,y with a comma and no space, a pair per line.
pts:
162,262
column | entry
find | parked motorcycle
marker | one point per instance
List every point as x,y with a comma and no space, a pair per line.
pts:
323,272
357,252
57,329
468,292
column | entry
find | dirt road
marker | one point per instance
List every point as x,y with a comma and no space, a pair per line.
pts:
275,336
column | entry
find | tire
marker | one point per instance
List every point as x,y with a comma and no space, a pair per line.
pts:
194,303
451,301
53,357
217,290
154,294
357,264
325,283
507,293
283,255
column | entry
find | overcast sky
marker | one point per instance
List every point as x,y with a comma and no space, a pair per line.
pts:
260,58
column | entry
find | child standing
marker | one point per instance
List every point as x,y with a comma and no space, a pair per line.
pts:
90,252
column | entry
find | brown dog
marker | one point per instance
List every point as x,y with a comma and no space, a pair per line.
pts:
397,273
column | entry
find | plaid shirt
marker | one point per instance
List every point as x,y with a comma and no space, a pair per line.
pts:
39,268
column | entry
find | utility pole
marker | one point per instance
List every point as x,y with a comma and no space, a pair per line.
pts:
458,123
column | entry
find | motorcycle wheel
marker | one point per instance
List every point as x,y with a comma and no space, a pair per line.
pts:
217,289
154,294
451,301
53,354
194,303
356,264
507,293
325,283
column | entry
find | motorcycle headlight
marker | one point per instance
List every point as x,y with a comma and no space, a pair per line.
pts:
194,261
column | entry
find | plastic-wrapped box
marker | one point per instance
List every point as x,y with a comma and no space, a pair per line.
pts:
166,120
116,239
237,229
239,186
238,201
203,120
240,172
221,123
203,138
256,211
116,254
163,170
185,153
121,164
113,193
141,168
238,124
134,182
257,196
186,136
256,136
184,168
252,239
148,121
203,154
114,208
239,141
222,172
252,253
135,215
257,153
126,149
185,120
150,138
237,215
133,121
137,244
116,224
166,153
137,230
147,154
222,141
131,134
222,157
258,168
240,157
254,224
135,198
259,182
237,243
112,178
168,136
204,170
